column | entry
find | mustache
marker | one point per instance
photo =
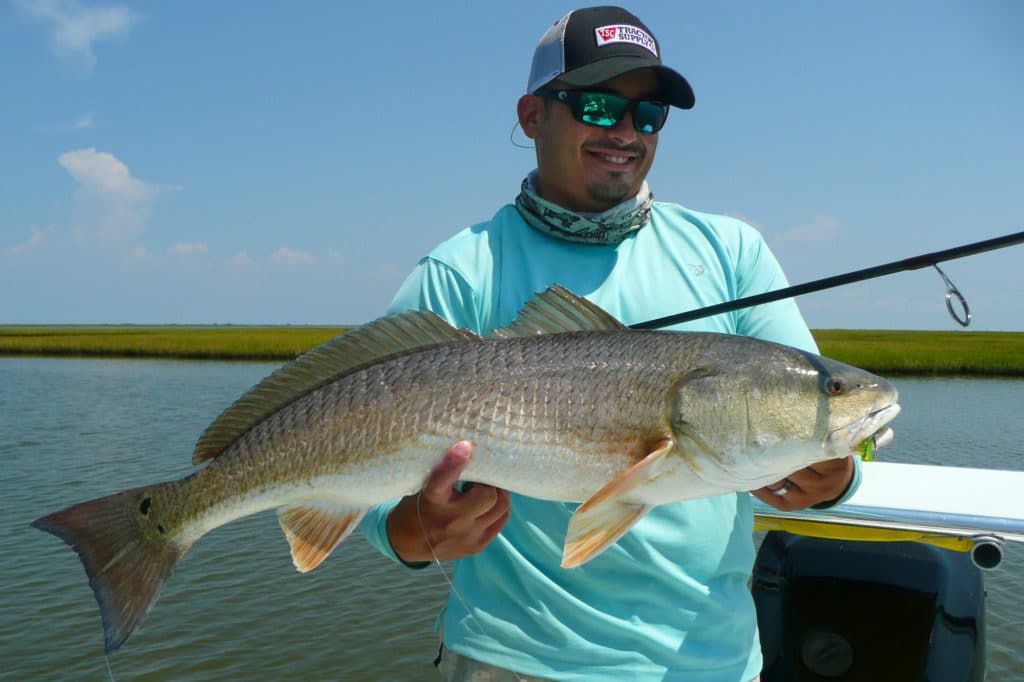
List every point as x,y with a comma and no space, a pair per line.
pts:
634,148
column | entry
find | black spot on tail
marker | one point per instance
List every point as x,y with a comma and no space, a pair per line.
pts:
126,568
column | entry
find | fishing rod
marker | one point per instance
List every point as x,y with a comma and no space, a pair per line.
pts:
914,263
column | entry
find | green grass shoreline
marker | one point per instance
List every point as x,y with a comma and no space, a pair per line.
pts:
890,352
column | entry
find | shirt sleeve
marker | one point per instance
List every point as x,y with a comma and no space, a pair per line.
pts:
759,272
430,286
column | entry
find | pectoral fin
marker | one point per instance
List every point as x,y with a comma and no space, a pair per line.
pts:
313,531
606,517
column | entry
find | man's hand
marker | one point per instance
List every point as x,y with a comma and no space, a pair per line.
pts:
456,524
821,482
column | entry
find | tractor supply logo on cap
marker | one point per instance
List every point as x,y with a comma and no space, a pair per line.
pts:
621,33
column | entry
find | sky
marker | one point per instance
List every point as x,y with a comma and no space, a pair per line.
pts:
289,163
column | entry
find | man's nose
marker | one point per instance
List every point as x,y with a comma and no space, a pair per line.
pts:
624,132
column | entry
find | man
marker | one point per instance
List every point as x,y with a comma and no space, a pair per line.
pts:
670,600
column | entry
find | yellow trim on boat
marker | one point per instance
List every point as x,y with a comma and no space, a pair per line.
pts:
840,531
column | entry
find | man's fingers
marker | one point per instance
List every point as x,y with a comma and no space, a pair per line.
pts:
494,528
483,502
443,477
494,506
770,493
767,497
823,476
831,466
821,482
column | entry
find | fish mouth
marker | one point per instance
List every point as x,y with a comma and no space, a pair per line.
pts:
848,439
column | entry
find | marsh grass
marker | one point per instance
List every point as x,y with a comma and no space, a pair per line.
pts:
227,342
950,353
887,352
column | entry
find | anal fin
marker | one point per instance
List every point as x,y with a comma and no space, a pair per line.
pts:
314,530
606,516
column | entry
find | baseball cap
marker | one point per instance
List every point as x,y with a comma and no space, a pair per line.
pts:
592,45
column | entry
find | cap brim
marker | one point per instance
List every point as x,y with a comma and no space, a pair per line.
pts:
674,88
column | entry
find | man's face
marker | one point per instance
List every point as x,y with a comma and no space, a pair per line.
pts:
584,168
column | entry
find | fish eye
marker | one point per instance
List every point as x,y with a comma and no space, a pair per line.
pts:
835,386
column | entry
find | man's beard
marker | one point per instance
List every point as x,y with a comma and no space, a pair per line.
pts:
615,191
611,193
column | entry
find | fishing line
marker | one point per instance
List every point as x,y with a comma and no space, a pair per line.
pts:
106,659
512,139
953,296
448,580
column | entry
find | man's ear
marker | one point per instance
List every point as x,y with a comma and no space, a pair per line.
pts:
530,109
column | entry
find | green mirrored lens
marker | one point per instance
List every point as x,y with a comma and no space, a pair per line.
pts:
649,117
601,109
605,110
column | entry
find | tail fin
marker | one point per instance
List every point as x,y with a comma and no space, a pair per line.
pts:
126,556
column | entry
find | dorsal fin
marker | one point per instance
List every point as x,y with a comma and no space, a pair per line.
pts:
385,337
557,310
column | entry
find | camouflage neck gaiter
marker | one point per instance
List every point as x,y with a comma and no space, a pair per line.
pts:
606,227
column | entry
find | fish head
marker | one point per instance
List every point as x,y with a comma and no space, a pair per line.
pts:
763,411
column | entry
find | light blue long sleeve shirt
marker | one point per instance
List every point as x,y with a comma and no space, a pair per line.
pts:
670,600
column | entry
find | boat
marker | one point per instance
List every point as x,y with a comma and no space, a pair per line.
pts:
890,584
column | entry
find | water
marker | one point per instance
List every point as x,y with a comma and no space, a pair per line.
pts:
235,608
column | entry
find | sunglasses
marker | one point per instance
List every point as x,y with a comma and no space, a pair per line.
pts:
605,110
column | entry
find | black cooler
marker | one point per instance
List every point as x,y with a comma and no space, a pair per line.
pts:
842,611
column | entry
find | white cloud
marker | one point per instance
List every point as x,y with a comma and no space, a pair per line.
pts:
241,261
74,28
34,241
104,173
285,256
83,122
110,205
187,249
823,227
